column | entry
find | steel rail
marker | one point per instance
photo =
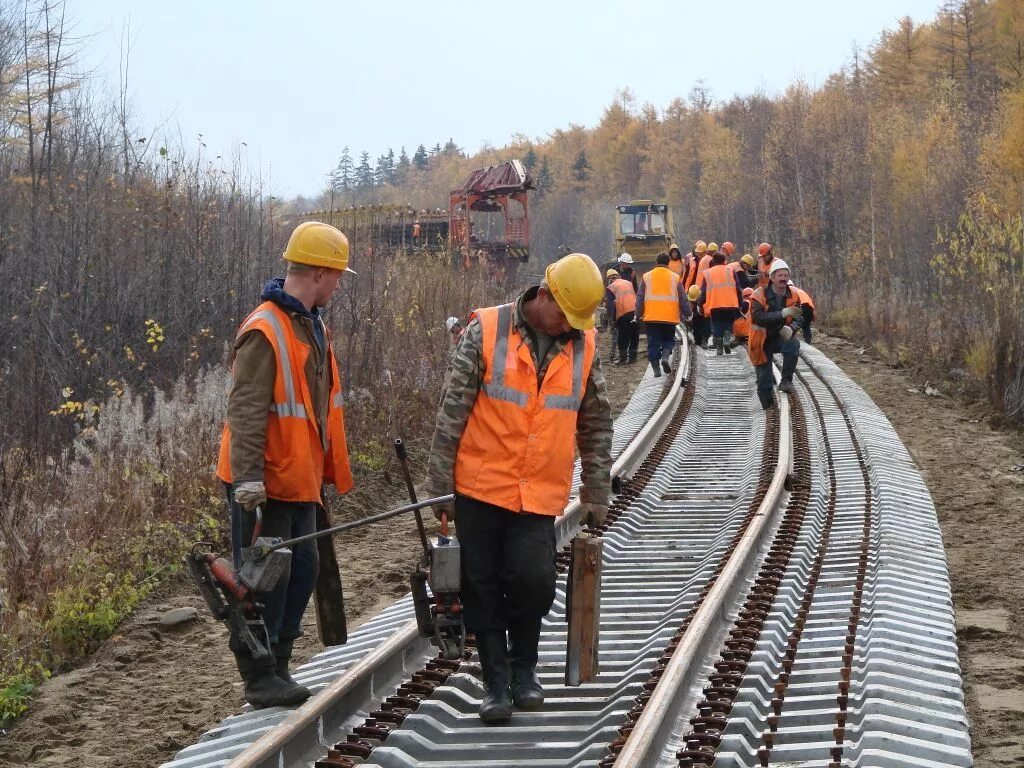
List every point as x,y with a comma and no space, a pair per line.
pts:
328,708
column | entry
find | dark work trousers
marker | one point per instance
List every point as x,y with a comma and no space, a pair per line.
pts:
722,319
629,337
508,567
284,606
808,315
790,351
661,340
701,329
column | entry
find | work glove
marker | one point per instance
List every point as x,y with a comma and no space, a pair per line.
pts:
448,508
785,333
792,313
592,514
251,494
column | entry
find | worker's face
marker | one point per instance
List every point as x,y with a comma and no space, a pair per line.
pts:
550,317
780,280
326,283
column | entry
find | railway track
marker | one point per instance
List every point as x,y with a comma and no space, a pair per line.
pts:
774,592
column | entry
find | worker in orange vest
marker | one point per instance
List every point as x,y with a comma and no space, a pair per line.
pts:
741,325
775,316
675,259
620,301
691,262
705,262
765,256
720,299
284,439
700,325
526,390
807,305
742,270
661,303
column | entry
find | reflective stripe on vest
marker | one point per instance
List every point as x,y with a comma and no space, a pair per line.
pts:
661,305
571,402
291,407
720,288
496,386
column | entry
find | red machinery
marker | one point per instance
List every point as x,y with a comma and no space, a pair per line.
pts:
498,189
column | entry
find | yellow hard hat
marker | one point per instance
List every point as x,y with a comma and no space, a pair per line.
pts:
318,245
692,293
575,282
748,259
611,273
712,247
700,247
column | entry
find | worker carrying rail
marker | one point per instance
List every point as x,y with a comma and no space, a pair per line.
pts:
526,389
284,438
775,316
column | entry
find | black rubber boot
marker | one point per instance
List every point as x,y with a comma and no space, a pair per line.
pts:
786,385
527,692
666,366
496,706
656,367
283,655
767,399
719,346
263,688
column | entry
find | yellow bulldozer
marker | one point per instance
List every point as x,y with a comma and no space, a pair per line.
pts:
643,229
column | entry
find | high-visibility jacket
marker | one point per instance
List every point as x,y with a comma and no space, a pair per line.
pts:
804,296
518,448
689,270
719,287
703,265
758,335
741,326
299,460
661,296
763,277
676,265
625,296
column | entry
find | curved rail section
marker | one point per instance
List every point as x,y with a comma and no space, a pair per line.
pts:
382,654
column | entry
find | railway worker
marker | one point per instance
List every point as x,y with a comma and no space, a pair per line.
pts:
775,316
765,256
741,325
625,268
807,305
284,438
705,262
620,303
700,325
661,303
741,269
526,390
720,299
675,260
692,260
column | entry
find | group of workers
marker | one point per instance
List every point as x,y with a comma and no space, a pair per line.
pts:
524,394
722,302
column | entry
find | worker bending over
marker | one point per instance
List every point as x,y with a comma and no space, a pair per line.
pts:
526,389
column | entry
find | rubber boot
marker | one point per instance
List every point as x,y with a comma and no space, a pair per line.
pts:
496,706
786,385
527,692
656,368
719,346
767,398
283,655
666,366
263,688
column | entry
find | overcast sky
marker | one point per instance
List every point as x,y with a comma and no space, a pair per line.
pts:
298,80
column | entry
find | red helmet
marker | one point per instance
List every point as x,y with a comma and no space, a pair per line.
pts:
729,248
764,249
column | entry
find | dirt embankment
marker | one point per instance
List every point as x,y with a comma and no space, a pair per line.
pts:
149,691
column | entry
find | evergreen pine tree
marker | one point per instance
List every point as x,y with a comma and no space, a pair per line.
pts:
545,181
530,160
419,158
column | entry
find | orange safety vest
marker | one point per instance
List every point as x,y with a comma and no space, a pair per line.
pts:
297,461
676,265
758,335
703,266
741,327
804,296
736,266
625,296
690,276
661,296
719,285
519,445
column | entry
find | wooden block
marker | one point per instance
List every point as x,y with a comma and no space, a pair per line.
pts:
583,610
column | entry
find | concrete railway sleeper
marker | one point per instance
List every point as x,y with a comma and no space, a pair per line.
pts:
782,606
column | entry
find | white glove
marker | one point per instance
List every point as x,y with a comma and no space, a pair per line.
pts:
251,494
592,514
791,313
786,333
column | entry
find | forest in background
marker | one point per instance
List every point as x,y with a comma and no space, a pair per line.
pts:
895,189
